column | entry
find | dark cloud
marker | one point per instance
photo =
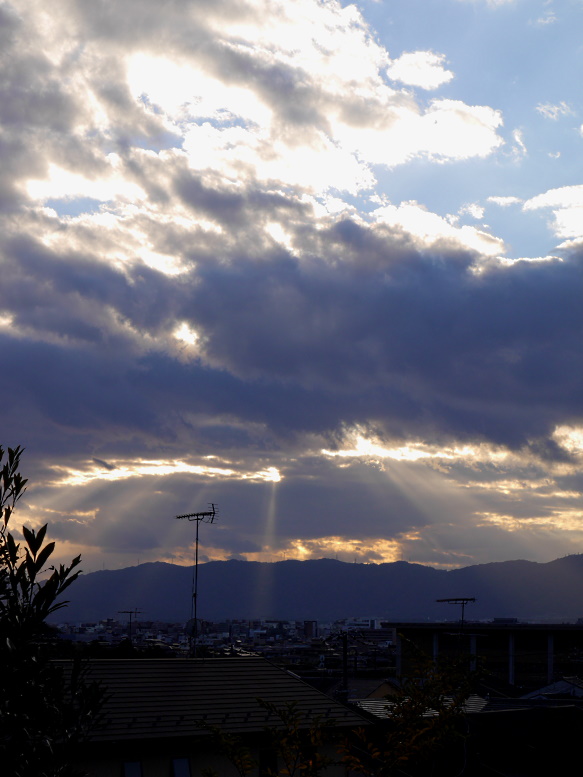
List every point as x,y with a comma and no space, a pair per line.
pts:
493,354
288,90
411,341
104,464
233,207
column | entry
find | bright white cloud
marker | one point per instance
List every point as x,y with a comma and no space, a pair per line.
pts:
504,202
63,184
472,209
238,153
429,228
447,130
420,68
359,445
566,202
324,39
123,470
331,51
186,92
304,102
186,334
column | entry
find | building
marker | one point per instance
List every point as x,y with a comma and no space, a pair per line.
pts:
521,655
159,715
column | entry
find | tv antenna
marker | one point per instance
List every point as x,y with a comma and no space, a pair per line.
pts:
463,600
208,516
130,613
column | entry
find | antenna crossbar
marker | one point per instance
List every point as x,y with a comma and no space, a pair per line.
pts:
208,516
458,600
463,600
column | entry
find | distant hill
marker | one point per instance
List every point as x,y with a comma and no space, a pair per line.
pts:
325,589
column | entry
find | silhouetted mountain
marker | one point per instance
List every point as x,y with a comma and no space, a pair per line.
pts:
326,590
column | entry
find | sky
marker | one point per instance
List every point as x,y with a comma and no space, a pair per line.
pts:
316,262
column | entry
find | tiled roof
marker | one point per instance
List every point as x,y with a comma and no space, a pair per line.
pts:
504,705
382,708
568,686
168,697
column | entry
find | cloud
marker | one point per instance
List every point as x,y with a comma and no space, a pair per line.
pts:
549,17
342,330
429,229
447,130
321,166
492,3
305,93
472,209
215,275
420,68
519,150
504,202
554,112
566,202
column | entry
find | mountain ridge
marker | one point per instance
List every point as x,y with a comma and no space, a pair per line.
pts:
328,589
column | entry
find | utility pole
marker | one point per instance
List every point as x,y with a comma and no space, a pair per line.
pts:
208,516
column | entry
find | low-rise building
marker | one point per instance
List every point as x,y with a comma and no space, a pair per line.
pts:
159,714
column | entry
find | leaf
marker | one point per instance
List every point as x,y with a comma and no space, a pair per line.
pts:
30,566
43,556
41,533
12,548
31,540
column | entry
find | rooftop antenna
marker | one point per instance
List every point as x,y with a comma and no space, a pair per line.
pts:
463,600
207,516
130,613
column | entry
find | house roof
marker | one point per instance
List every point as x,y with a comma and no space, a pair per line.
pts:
170,697
383,708
568,686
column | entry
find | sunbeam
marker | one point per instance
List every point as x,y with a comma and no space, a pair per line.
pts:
264,595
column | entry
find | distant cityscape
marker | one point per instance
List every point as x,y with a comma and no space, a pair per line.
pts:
297,638
348,654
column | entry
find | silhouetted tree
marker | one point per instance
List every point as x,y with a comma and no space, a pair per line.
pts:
41,710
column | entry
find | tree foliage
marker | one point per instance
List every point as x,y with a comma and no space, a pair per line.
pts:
426,721
294,741
26,600
298,741
41,711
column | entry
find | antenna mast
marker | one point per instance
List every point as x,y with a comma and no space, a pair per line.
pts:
131,613
463,600
208,516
